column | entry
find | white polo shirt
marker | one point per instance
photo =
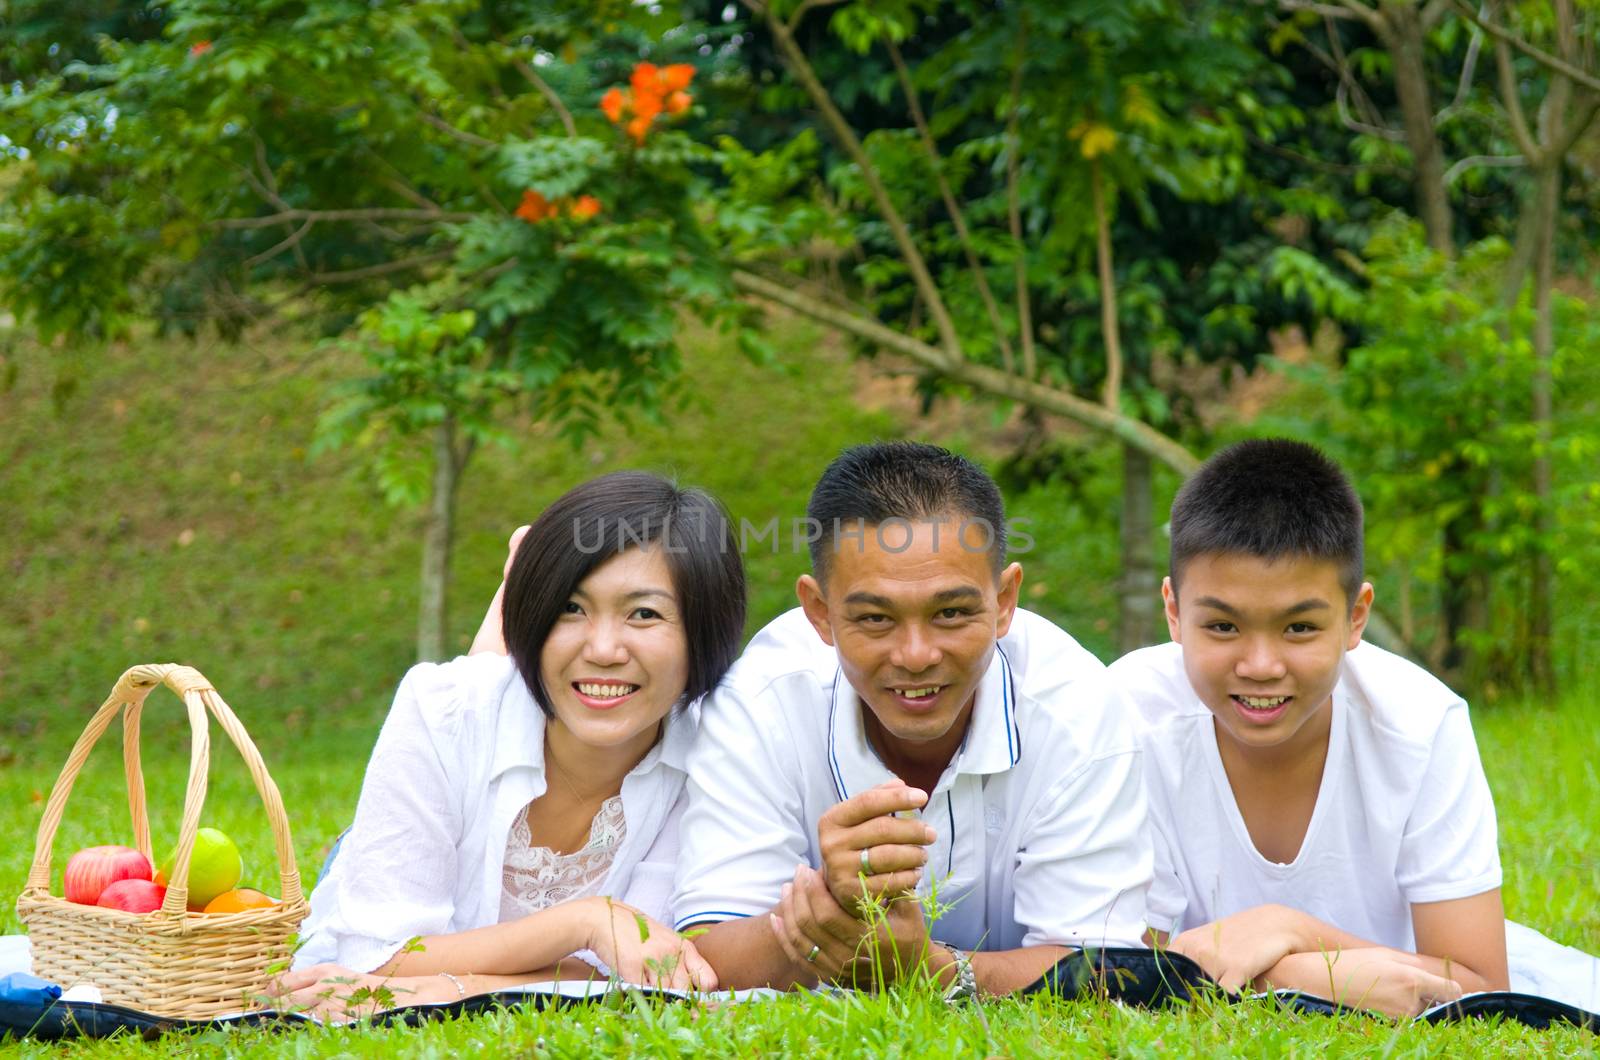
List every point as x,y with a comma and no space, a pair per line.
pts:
1040,816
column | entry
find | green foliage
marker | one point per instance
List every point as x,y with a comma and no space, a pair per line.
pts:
1174,101
371,164
1431,413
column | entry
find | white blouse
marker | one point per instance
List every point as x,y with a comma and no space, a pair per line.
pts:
459,758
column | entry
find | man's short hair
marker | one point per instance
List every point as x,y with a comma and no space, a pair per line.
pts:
869,485
1269,498
591,523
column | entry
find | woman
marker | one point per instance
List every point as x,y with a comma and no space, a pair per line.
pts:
521,809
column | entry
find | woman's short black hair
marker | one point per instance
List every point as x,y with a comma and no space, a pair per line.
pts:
591,523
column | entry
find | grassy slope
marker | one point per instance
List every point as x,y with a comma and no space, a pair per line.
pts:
294,595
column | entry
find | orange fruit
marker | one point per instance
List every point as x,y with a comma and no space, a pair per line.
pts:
239,900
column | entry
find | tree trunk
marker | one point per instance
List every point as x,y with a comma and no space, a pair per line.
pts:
1455,605
1463,600
438,533
1139,594
1406,41
1541,605
1112,395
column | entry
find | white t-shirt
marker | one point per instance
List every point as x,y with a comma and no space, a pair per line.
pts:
1403,814
459,758
1040,816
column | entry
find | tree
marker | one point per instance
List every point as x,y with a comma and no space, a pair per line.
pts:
1412,37
448,184
1050,265
1565,112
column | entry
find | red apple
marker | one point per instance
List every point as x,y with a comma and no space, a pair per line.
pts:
133,896
91,870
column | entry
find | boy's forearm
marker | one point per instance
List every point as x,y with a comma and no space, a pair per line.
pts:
1317,936
1471,981
490,639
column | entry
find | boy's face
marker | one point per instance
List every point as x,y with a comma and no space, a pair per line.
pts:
1262,642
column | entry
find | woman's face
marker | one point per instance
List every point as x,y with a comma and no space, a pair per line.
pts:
617,659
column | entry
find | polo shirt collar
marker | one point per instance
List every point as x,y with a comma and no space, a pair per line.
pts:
993,743
519,733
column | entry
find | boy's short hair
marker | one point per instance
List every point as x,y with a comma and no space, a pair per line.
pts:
1269,498
870,485
588,525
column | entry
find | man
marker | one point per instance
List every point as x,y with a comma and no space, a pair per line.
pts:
906,738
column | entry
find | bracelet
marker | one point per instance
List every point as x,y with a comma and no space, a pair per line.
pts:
459,987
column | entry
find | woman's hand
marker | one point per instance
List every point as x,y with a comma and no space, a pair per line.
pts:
640,950
332,992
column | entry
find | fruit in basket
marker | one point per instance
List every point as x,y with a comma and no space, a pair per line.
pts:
91,870
133,896
214,867
239,899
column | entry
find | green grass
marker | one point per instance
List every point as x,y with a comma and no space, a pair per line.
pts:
897,1026
294,593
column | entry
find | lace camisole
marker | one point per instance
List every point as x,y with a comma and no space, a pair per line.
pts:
536,877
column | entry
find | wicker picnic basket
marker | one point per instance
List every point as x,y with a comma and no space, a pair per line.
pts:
170,962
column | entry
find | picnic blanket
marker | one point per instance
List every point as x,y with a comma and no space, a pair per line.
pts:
1131,976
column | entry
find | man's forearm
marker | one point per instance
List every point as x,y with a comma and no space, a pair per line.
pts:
744,953
1007,971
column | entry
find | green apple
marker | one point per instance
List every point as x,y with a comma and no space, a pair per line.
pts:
214,867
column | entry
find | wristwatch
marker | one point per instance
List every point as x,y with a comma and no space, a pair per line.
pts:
965,984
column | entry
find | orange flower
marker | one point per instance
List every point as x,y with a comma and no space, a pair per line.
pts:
585,207
646,106
199,48
639,127
645,80
534,207
611,104
679,102
675,78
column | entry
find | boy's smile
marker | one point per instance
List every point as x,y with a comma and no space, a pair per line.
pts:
1262,645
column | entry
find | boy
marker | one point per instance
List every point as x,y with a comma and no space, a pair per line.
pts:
1322,820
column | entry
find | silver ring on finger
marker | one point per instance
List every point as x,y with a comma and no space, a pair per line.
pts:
811,958
866,861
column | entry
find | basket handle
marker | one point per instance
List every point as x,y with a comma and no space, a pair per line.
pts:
199,697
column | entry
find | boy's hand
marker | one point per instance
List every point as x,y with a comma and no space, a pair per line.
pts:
491,637
1377,979
1237,949
511,549
894,846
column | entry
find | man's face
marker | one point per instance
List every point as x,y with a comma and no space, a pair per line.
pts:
914,621
1262,642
